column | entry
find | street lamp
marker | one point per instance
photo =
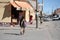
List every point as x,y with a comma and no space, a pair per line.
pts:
36,14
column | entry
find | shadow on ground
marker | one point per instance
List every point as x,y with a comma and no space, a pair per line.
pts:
12,34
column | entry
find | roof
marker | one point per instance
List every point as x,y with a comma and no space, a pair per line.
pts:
24,5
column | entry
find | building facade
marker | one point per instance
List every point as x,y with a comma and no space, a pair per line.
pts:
5,11
9,10
56,12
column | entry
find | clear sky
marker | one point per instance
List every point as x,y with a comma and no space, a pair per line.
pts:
50,5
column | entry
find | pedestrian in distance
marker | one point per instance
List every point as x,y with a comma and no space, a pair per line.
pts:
30,19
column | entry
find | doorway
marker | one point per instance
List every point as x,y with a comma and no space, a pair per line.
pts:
15,15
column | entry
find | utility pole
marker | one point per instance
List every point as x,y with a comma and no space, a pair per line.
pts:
36,14
41,13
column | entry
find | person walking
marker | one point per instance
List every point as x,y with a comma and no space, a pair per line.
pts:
22,24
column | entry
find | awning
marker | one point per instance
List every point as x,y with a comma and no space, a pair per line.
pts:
13,4
23,5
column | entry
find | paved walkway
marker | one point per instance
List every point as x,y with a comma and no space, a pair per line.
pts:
45,31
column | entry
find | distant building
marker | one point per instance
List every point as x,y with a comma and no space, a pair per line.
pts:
56,12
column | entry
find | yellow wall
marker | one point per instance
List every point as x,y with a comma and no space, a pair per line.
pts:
33,14
5,12
27,15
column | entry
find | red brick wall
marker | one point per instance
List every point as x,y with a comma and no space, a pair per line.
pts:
57,11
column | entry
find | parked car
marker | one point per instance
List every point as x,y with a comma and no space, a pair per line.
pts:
46,18
56,17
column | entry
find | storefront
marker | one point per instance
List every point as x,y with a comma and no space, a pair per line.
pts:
9,12
17,7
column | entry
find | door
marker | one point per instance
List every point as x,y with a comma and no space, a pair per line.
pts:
15,15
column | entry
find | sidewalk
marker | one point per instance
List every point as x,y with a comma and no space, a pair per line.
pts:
12,33
45,31
28,26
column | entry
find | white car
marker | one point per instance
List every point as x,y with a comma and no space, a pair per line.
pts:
56,18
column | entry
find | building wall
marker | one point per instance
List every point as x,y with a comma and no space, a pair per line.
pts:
57,11
4,0
27,15
5,12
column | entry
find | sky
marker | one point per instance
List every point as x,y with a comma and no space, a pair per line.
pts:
50,5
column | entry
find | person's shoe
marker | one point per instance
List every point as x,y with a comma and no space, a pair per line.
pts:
21,33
